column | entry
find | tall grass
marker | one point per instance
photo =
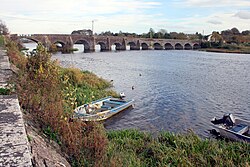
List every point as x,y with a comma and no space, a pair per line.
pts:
134,148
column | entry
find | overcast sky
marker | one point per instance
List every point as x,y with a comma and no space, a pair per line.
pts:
64,16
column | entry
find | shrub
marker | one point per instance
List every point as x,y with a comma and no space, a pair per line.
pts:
15,56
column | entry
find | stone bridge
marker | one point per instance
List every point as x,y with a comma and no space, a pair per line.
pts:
67,42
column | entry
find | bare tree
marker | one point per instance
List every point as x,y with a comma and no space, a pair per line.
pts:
3,29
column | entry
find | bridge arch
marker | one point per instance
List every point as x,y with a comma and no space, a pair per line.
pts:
118,46
85,44
157,46
168,46
196,46
144,46
187,46
133,45
178,46
57,46
29,44
59,42
103,46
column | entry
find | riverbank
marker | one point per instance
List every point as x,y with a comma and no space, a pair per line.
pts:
49,93
238,51
227,48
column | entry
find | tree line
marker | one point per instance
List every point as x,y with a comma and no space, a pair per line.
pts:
160,34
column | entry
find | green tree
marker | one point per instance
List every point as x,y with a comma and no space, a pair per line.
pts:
163,31
3,28
235,31
151,32
246,32
181,35
173,35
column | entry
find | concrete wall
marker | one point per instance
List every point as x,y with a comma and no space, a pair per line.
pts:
14,145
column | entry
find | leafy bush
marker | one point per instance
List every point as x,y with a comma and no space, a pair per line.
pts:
205,45
230,47
15,56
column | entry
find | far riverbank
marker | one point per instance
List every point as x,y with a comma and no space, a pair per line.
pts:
225,51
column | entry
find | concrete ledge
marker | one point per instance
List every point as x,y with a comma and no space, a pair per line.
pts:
4,64
14,146
5,69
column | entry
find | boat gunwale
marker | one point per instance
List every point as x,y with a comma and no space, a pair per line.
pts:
108,113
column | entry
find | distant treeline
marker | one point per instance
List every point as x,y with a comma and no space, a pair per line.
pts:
226,36
161,34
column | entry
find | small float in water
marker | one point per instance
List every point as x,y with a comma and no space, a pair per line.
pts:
122,95
233,128
101,109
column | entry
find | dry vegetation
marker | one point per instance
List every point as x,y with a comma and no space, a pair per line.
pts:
48,92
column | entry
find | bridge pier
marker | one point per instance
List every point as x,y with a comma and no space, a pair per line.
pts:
46,42
107,47
91,45
68,47
122,46
135,47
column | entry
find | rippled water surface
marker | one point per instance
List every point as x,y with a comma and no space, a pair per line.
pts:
174,90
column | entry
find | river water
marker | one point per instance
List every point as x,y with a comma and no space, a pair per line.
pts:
173,90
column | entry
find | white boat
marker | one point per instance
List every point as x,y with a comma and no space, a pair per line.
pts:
233,128
101,109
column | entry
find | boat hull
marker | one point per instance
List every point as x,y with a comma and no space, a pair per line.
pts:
240,134
105,108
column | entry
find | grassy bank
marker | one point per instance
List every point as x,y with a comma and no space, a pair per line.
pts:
239,51
1,41
134,148
227,48
49,93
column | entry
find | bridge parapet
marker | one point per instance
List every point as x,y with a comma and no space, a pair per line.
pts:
89,42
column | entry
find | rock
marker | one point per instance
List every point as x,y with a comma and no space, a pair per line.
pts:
43,152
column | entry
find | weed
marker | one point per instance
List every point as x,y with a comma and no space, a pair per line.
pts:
52,135
29,138
4,91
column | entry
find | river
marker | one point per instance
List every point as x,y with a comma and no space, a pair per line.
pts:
173,90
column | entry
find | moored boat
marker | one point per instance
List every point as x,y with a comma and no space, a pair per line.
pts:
101,109
233,128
